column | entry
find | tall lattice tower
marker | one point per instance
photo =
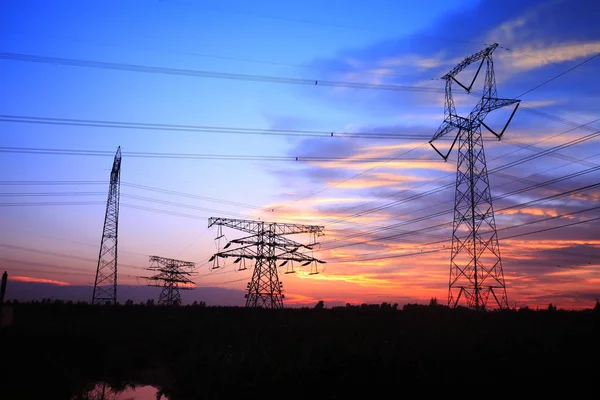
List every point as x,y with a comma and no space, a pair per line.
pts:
172,277
475,262
105,285
267,245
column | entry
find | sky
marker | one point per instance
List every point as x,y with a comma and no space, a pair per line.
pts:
262,141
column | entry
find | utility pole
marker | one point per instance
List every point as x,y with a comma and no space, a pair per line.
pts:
267,245
105,284
475,262
171,275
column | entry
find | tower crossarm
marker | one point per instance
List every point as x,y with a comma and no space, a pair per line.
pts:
247,252
479,56
298,257
282,254
251,226
169,271
160,278
171,262
487,105
276,240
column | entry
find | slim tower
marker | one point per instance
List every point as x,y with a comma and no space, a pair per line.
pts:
475,263
267,245
105,285
170,276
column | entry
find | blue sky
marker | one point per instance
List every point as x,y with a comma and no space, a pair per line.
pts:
379,42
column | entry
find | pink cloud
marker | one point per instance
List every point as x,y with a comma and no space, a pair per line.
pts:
39,280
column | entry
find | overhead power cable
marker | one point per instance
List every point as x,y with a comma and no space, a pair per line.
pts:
78,258
225,157
207,129
356,258
209,74
505,195
447,224
559,75
534,156
526,109
507,176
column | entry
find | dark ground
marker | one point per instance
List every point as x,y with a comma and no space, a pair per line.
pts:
53,351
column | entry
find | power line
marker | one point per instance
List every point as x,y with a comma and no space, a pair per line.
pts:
209,74
505,195
125,184
206,129
552,228
440,213
437,190
190,53
45,183
445,38
447,224
505,238
225,157
332,185
72,271
558,76
51,253
202,197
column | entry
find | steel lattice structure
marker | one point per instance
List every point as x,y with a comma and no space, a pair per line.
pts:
105,284
267,245
475,263
170,276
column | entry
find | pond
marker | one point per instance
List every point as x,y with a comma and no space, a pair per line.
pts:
103,391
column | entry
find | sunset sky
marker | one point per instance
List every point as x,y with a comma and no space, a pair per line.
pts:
379,214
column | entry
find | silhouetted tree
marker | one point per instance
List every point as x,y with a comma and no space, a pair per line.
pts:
433,302
551,307
320,305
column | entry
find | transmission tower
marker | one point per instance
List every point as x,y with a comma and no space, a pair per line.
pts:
267,245
475,262
170,276
105,284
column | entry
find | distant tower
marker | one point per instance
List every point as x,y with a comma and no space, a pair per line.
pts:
105,285
170,276
267,245
476,273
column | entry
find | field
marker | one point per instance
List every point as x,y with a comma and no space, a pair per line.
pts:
54,351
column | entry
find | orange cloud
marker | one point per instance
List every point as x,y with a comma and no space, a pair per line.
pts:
39,280
379,179
395,164
540,212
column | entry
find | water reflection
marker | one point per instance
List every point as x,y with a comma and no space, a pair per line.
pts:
103,391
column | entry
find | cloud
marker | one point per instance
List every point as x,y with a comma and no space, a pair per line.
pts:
30,279
528,57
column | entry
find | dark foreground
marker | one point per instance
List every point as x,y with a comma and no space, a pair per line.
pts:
54,351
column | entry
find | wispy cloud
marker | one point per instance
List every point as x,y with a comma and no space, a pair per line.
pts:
39,280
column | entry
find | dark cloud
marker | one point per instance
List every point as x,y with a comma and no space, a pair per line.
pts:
524,28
